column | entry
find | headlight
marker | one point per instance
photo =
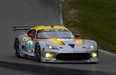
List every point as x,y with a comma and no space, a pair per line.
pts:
52,47
94,55
92,46
48,55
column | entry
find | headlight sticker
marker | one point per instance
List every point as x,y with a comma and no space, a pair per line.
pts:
25,39
79,41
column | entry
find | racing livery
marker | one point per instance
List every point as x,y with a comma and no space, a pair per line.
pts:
54,44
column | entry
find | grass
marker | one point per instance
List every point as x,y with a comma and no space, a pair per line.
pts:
93,19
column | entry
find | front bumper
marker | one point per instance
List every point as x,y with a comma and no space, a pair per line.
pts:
63,57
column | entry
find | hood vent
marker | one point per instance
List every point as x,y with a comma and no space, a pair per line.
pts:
72,45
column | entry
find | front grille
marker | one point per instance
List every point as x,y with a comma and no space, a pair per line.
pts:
73,56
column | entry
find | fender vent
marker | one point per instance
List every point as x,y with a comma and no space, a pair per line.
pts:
72,45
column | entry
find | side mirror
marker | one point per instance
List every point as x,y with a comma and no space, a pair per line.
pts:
31,36
77,35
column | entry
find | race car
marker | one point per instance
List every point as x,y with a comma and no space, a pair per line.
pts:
54,44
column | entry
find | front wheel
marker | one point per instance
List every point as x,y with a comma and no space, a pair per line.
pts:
16,47
38,52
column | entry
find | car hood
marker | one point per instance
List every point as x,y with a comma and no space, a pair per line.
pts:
72,45
69,45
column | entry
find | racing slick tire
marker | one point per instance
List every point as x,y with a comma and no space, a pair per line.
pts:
38,52
16,47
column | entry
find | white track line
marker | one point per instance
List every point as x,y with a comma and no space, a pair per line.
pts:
108,52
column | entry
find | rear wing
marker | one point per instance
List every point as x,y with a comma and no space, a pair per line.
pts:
15,28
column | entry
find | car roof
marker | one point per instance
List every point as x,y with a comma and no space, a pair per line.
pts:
49,28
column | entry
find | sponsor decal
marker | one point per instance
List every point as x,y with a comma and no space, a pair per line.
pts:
29,46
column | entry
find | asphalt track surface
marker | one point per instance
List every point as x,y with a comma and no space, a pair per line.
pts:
34,12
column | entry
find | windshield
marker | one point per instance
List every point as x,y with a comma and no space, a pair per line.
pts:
54,34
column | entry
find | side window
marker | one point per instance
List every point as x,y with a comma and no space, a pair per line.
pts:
33,32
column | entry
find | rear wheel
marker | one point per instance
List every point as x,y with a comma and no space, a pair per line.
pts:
38,52
16,47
